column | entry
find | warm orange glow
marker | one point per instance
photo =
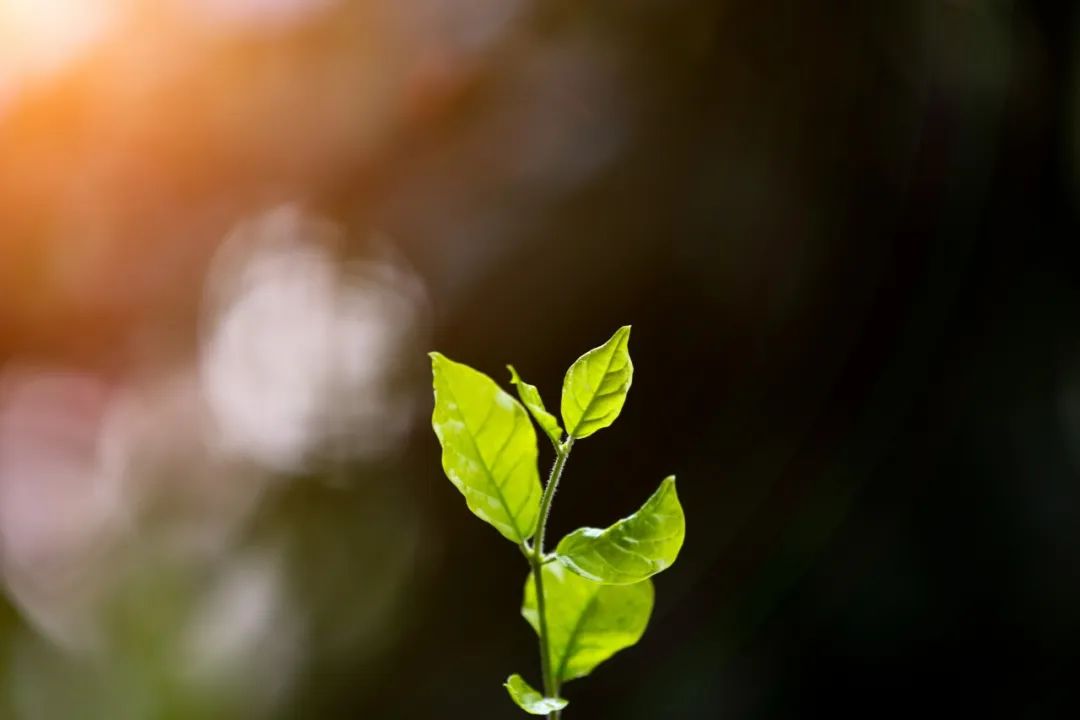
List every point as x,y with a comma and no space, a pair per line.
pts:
41,37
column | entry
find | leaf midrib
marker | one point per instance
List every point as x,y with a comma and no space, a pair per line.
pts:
595,390
572,643
483,463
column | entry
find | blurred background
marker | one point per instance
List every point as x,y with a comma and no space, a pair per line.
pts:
845,234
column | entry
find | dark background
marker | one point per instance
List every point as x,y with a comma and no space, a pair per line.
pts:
846,237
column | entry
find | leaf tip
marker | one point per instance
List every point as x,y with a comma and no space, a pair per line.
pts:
667,487
514,377
437,361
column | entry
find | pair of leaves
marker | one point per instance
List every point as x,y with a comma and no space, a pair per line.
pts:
598,596
594,390
488,444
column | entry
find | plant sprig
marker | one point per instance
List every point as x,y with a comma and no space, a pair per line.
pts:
593,596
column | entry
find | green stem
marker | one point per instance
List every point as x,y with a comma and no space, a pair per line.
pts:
537,560
549,495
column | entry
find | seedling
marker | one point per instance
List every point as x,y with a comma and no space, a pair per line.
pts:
592,596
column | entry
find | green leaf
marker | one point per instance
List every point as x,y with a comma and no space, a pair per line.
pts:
587,622
632,549
531,397
488,448
595,386
529,699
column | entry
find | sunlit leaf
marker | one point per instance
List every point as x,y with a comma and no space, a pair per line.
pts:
531,397
632,549
529,699
488,447
595,386
587,622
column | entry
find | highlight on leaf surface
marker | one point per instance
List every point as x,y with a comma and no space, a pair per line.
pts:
632,549
529,699
530,396
488,448
595,386
587,622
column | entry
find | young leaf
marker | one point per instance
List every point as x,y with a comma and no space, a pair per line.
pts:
595,386
488,448
531,397
632,549
587,622
530,700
